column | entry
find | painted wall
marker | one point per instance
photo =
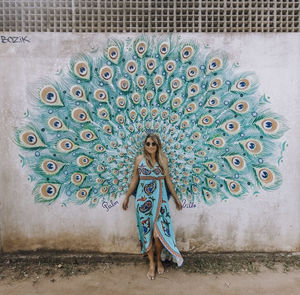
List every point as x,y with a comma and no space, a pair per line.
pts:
263,221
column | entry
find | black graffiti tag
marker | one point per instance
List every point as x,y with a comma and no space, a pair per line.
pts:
16,39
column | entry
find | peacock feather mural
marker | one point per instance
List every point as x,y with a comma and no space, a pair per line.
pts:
86,126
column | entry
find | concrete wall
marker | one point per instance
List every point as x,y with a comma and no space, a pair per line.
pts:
269,221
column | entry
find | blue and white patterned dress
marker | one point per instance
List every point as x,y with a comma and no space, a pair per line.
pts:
152,210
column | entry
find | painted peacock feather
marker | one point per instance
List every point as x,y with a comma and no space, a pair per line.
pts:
86,127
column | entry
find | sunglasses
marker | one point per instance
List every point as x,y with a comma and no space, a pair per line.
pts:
149,144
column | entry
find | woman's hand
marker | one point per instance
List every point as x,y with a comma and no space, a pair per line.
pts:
178,204
125,203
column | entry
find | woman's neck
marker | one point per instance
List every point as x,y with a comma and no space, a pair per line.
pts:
153,158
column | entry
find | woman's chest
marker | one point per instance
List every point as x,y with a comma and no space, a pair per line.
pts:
144,170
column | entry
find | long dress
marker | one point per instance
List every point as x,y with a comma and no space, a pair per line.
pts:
152,211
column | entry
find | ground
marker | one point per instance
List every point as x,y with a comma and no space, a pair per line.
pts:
90,274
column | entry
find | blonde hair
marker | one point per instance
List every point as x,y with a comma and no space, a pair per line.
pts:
159,153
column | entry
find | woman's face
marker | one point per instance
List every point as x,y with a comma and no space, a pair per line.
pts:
151,146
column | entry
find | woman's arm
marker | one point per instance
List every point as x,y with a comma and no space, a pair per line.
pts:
170,185
134,182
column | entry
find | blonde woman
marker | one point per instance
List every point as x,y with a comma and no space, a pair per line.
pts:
154,223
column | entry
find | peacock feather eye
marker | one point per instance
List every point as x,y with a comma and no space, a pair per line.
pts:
124,84
87,135
30,139
144,113
268,125
149,96
187,52
132,115
136,98
131,129
154,113
190,108
212,167
113,54
242,84
211,182
174,118
66,146
114,145
77,92
215,84
207,195
193,90
184,124
240,107
164,49
236,162
214,65
103,114
170,66
231,126
120,119
99,148
77,178
212,102
164,115
201,153
101,95
82,70
163,97
108,129
150,65
121,102
196,136
192,72
252,146
49,191
104,190
206,120
141,48
217,142
265,176
234,187
83,193
80,115
106,73
83,161
197,170
141,81
176,84
158,81
49,96
131,67
176,102
51,167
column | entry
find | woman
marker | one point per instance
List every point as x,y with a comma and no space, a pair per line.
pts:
152,208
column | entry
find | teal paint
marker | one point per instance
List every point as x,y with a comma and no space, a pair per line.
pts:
88,123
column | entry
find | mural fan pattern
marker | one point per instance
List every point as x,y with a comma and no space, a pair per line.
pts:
87,125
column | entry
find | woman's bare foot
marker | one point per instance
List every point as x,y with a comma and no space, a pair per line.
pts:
160,267
151,272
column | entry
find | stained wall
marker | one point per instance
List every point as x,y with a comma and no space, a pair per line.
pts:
263,221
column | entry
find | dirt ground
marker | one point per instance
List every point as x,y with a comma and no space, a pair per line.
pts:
201,274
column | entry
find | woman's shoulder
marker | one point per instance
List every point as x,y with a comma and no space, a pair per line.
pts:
139,159
165,158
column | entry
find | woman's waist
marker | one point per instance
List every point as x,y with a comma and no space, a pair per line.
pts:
152,177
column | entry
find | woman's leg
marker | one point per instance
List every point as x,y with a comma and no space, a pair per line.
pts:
158,247
151,272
